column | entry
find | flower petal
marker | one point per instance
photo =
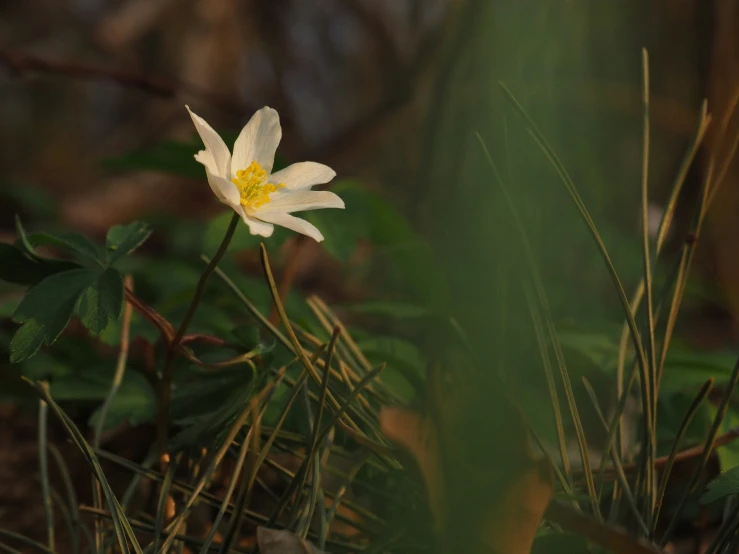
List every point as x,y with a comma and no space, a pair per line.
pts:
225,190
258,141
303,175
206,158
294,223
214,144
300,201
256,227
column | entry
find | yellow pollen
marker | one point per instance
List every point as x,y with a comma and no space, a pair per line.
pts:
253,186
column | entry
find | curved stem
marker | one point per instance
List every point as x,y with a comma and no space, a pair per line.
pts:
165,383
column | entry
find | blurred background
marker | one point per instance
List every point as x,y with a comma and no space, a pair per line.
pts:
396,96
386,92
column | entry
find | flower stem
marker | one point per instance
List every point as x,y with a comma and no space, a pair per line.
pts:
165,383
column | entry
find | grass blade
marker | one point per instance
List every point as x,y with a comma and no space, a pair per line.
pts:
71,496
569,185
122,529
174,527
706,453
692,410
43,420
538,329
650,417
616,462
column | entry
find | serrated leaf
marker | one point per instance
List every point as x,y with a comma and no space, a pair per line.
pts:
45,311
20,268
76,242
722,486
102,302
124,239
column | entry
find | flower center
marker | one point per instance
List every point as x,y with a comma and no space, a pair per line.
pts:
253,186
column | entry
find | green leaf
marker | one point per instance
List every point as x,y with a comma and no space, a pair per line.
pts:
76,242
124,239
45,311
102,302
722,486
20,268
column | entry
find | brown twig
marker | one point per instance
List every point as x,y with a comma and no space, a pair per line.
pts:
20,63
200,337
687,454
149,313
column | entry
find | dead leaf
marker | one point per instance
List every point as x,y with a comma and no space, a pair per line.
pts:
280,541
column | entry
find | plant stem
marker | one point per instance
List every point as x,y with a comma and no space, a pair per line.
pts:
165,382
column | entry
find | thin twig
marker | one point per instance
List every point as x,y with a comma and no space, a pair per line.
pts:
20,63
150,314
687,454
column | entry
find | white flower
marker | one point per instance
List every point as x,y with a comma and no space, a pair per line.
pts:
245,181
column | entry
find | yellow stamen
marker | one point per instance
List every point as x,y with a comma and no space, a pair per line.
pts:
253,187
